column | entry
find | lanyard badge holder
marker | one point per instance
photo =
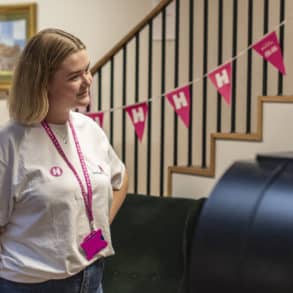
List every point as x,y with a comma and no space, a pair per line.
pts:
94,242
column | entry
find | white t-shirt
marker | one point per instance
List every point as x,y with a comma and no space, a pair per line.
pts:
41,205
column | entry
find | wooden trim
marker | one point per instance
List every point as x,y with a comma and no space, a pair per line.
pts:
195,170
130,35
28,11
236,136
259,118
169,181
212,155
33,17
276,99
258,136
30,8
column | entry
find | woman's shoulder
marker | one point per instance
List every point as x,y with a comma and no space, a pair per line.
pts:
11,130
79,117
88,126
84,121
10,136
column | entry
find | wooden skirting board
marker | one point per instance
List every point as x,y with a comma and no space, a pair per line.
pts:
257,136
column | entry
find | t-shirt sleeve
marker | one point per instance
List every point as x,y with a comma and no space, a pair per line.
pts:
6,199
117,169
116,166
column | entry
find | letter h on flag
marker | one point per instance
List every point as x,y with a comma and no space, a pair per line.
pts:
138,114
180,101
221,78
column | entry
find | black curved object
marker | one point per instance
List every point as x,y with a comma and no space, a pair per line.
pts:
244,239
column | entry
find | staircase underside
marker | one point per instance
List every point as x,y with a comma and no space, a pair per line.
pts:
256,137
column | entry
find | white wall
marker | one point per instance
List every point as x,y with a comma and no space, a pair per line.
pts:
100,24
278,120
277,137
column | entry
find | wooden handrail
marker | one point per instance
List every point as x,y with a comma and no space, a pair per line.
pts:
130,35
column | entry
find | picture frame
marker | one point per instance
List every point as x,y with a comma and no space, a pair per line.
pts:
17,25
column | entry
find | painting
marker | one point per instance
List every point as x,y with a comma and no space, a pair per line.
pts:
17,25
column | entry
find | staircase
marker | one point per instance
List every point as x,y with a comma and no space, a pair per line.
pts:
227,148
141,68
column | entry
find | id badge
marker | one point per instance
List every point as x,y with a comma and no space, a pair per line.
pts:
93,243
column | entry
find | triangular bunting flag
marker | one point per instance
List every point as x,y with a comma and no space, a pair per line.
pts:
180,101
269,48
98,117
138,115
222,80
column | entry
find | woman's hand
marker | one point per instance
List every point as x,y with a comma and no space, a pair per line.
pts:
118,198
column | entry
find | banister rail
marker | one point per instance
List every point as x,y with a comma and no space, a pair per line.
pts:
130,35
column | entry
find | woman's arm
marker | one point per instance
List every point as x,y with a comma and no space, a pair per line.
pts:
118,198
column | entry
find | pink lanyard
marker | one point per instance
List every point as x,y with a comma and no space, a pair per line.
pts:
87,196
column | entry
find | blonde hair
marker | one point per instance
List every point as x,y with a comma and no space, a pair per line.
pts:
28,100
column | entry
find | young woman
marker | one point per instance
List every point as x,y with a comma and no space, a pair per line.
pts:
61,183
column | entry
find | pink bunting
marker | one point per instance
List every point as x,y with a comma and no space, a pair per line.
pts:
138,114
269,48
180,101
221,78
98,117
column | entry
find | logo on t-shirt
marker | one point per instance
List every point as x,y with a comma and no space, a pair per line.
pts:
99,170
56,171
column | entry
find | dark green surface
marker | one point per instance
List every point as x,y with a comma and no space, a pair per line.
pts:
151,237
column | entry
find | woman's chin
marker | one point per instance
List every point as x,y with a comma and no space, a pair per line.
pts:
83,101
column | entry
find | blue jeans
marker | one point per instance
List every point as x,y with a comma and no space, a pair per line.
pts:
87,281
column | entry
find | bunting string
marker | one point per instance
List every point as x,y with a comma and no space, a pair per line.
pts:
179,97
243,52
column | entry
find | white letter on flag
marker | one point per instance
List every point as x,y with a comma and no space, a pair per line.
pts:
180,101
222,78
138,115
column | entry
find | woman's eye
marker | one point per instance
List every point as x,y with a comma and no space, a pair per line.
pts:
75,77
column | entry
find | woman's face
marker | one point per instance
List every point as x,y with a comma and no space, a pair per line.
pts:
70,85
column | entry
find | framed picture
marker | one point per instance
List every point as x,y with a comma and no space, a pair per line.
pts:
17,25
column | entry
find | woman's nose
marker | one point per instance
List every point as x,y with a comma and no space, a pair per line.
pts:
87,77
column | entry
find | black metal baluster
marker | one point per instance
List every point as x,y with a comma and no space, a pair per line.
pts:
234,66
204,92
265,63
249,67
136,100
281,38
191,54
176,78
111,99
150,90
162,140
220,50
124,80
100,100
